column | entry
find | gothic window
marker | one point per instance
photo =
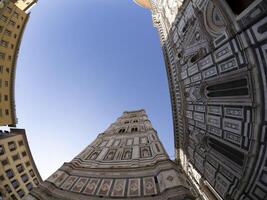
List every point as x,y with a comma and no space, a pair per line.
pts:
127,154
135,121
134,129
227,151
145,153
228,89
127,122
122,130
238,6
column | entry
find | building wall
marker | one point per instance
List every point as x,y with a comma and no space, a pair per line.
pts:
18,173
215,55
25,5
126,161
12,24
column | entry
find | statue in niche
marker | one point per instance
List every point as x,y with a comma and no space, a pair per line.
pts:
144,140
200,139
94,156
127,155
145,153
110,155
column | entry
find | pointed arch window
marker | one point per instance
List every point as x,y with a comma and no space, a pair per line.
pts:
122,130
134,129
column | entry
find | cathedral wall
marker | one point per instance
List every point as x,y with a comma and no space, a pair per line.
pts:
215,55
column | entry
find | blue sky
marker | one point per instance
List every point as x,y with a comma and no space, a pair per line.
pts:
81,64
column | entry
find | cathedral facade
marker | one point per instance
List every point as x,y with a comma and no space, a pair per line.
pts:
126,161
216,59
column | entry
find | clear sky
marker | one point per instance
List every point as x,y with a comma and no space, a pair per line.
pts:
81,64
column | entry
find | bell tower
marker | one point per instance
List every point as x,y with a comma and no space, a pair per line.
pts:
125,161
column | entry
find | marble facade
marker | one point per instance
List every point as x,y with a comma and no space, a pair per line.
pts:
215,55
126,161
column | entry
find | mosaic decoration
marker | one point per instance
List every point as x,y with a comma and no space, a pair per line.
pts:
91,186
69,182
119,188
58,178
134,188
105,187
79,185
149,186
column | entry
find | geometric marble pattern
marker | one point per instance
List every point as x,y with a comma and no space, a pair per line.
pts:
126,160
216,59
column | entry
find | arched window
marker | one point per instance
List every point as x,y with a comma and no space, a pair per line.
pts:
122,130
134,129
